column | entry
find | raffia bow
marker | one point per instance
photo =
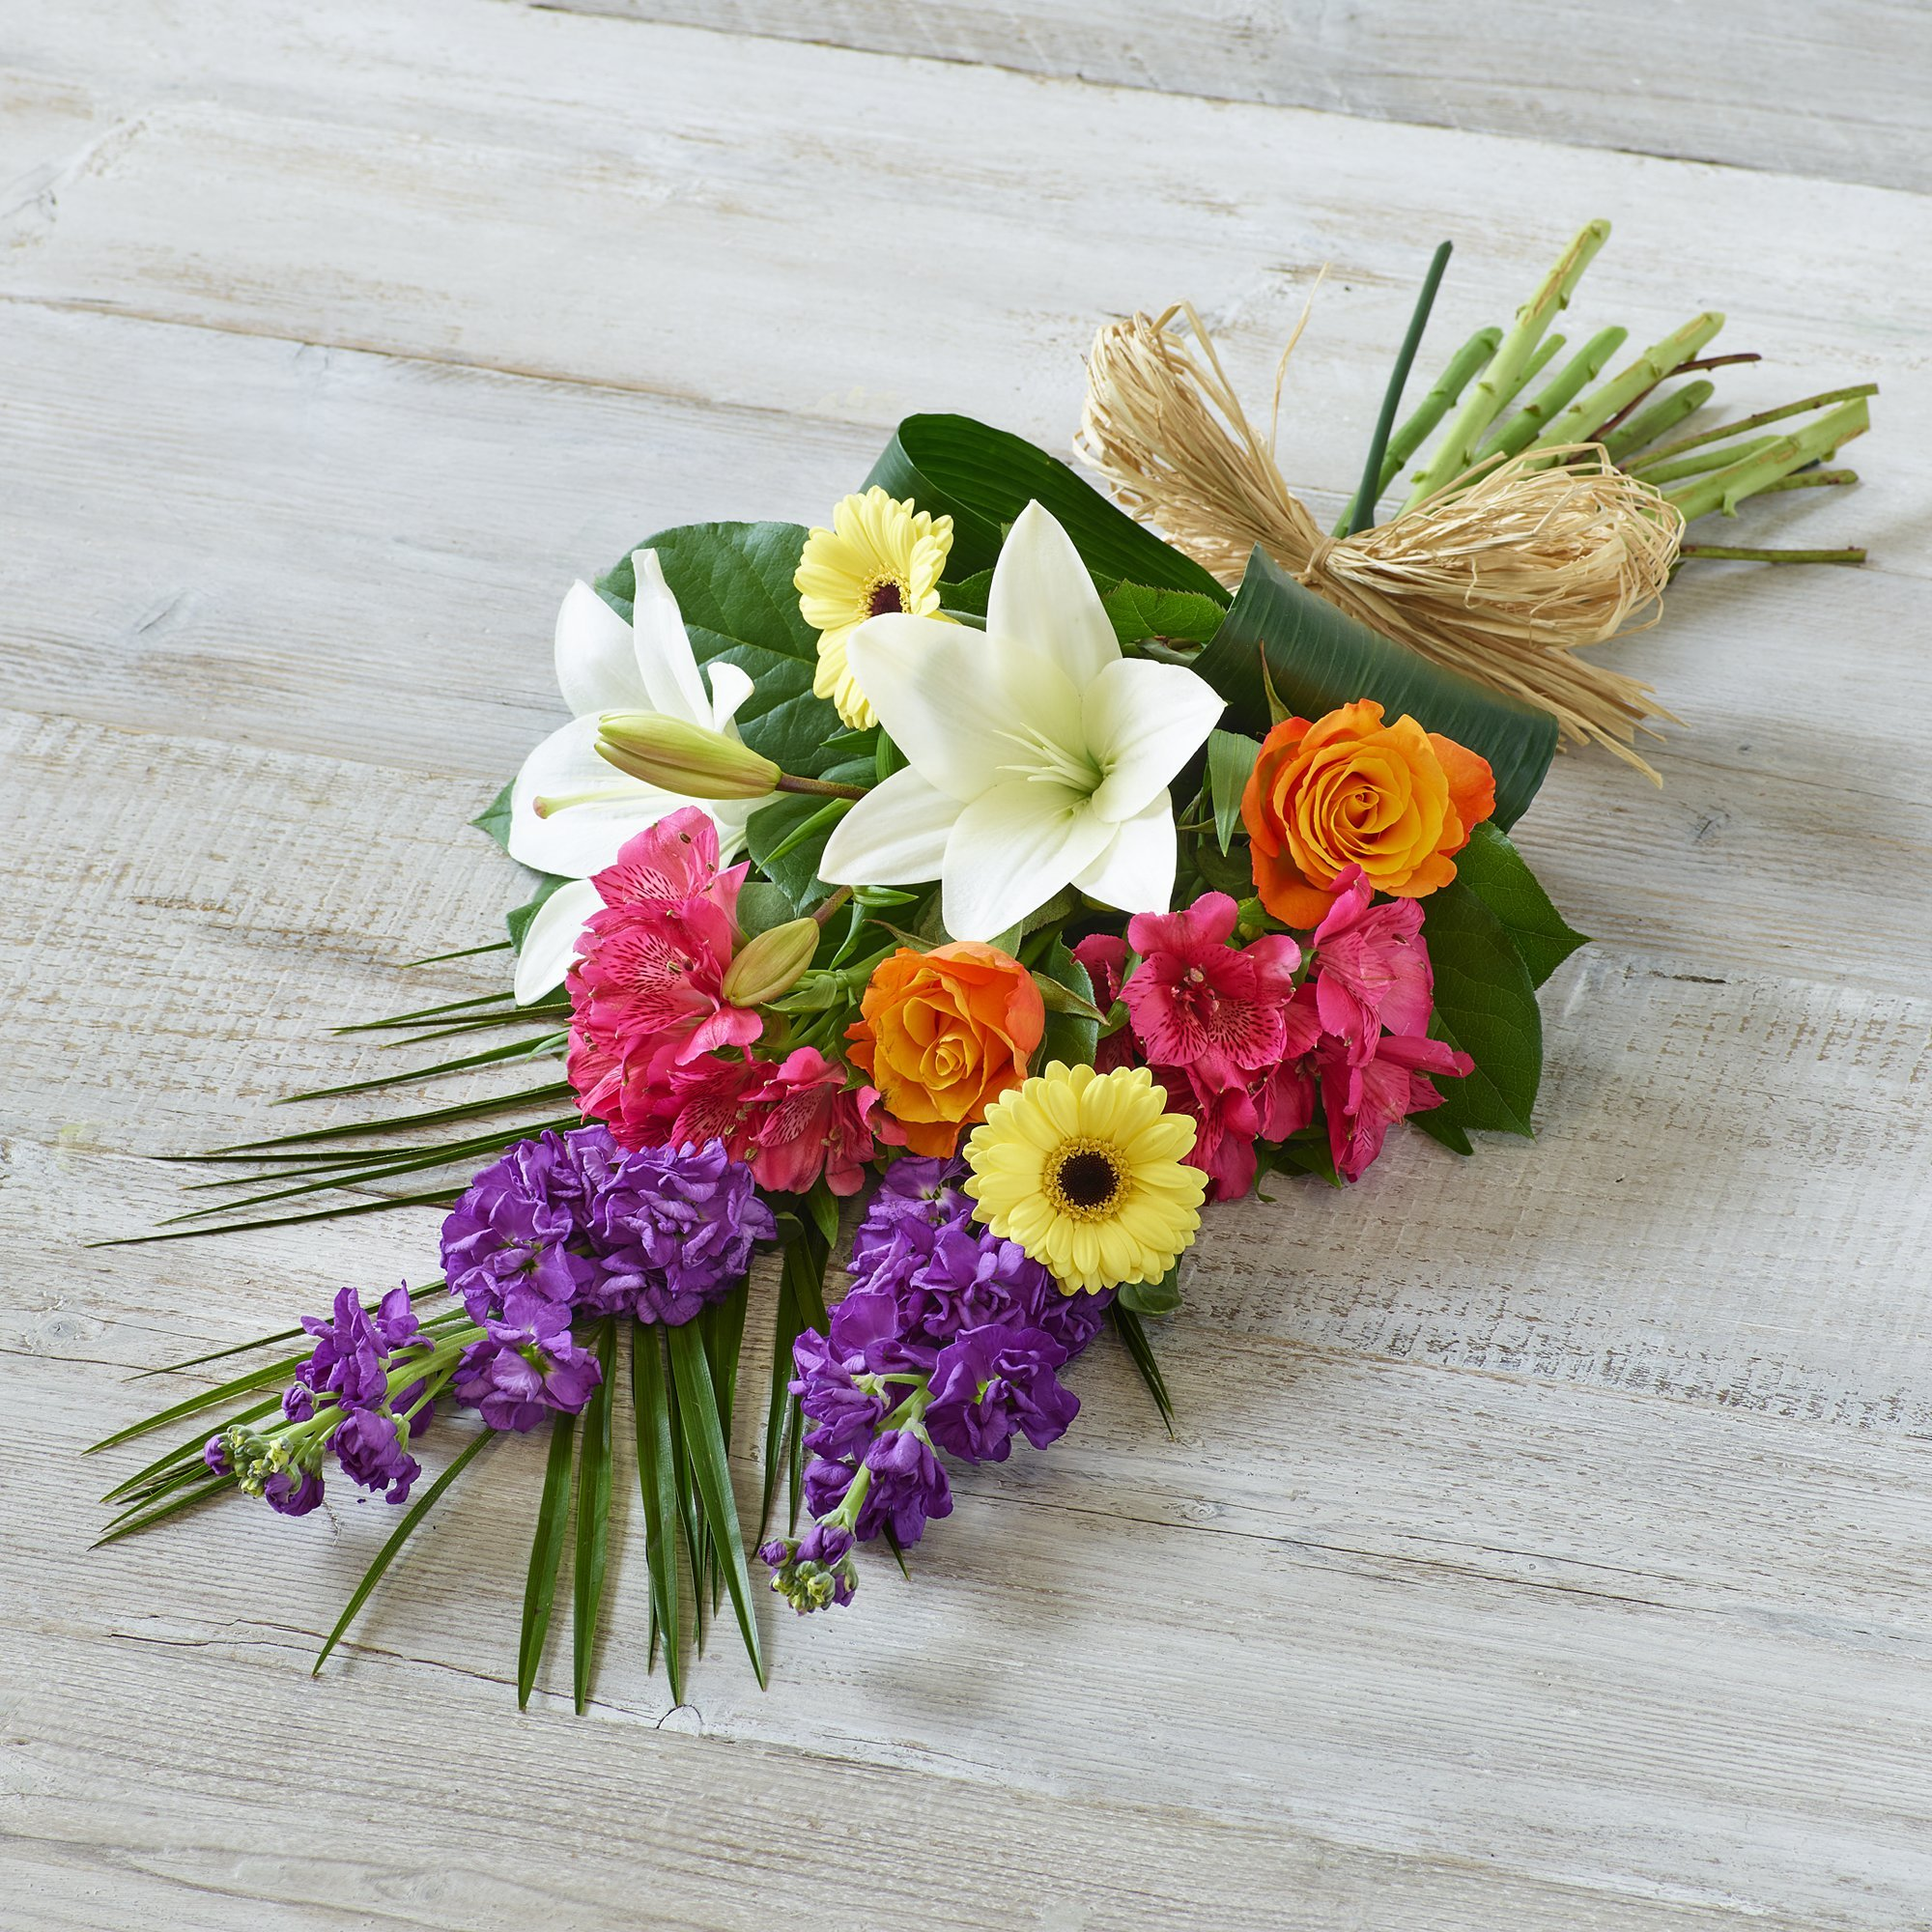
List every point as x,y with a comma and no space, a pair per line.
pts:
1503,575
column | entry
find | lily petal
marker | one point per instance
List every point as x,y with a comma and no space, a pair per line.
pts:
578,840
1011,850
1136,871
1044,596
596,657
957,700
896,834
731,686
1144,721
665,657
550,941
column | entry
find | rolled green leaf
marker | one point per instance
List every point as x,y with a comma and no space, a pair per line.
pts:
1318,657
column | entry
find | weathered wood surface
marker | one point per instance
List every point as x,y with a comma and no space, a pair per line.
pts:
1837,90
1547,1538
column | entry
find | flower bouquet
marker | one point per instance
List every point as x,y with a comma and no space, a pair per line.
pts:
971,888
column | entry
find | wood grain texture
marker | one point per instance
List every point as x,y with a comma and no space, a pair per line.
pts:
1546,1538
1837,90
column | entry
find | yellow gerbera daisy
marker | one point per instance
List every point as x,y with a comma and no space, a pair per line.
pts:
879,555
1084,1170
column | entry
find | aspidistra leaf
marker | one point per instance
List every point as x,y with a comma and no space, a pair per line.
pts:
983,477
1318,658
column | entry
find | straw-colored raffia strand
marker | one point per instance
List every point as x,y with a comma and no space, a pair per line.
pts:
1501,576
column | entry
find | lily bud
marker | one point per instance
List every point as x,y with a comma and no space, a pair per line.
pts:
771,964
684,758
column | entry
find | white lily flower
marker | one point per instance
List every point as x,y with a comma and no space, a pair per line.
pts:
1038,756
589,807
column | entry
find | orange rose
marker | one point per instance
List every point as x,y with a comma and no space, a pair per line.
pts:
1350,790
945,1033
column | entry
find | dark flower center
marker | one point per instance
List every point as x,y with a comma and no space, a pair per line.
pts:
1089,1180
885,597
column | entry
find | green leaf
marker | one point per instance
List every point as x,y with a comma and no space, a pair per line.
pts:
1134,1338
722,1325
1486,1006
1318,658
1230,763
593,1516
1494,869
733,585
982,478
762,905
704,1444
787,838
397,1537
1140,611
206,1398
518,918
1152,1297
967,598
657,1480
1430,1123
546,1554
496,817
1072,1033
142,1518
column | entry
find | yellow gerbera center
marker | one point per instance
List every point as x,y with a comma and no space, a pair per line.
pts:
1087,1172
881,557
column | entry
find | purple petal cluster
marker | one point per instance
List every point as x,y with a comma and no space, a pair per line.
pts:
672,1229
570,1224
344,1389
950,1338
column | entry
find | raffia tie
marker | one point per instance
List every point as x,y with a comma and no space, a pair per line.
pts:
1504,575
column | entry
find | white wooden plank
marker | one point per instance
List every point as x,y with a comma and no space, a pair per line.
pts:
1838,91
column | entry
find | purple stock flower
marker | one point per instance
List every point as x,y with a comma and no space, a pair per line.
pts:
369,1446
517,1377
845,1416
815,1571
521,1222
292,1491
350,1359
908,1487
673,1228
915,1200
993,1381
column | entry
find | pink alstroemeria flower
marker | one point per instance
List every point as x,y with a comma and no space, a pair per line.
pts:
1199,1003
804,1121
1370,967
1364,1097
675,860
